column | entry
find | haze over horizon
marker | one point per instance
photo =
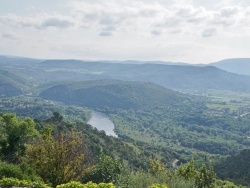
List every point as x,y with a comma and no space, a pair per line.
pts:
190,31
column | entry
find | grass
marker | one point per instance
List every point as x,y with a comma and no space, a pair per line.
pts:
227,99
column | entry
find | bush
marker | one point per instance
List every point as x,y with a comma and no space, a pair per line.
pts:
11,171
158,186
74,184
21,172
107,170
10,182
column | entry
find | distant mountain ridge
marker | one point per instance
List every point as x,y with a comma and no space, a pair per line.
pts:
177,77
237,65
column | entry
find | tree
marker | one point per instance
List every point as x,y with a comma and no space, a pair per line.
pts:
206,177
58,159
188,171
156,167
203,177
15,133
107,170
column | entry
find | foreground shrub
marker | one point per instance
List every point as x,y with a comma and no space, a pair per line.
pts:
226,184
22,172
74,184
158,186
58,158
10,182
106,170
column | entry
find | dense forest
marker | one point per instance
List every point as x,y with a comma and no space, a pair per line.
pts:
53,152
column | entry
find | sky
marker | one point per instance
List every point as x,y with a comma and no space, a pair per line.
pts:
191,31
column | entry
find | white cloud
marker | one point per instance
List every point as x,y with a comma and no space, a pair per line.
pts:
129,28
55,22
209,32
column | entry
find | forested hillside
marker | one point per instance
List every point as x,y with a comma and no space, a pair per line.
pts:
10,84
207,118
116,94
44,150
151,114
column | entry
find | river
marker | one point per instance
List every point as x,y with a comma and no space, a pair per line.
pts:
102,122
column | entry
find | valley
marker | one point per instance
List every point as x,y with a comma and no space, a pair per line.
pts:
169,112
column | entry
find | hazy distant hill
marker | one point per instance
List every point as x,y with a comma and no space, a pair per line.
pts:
9,84
238,65
177,77
114,94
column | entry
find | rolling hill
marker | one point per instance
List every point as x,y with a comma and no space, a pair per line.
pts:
177,77
149,113
115,94
10,84
237,65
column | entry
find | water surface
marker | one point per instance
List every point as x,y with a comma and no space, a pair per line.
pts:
102,122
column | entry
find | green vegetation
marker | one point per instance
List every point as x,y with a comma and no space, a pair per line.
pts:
157,128
147,113
60,153
40,109
15,133
87,185
12,182
235,168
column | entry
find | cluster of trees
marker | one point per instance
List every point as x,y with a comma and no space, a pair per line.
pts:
38,154
38,108
235,168
183,129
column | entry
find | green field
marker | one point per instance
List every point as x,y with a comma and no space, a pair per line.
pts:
224,99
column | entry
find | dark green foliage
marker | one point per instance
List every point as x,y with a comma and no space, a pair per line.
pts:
11,171
235,168
204,177
40,109
16,132
106,170
22,171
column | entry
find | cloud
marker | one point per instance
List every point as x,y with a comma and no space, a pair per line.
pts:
156,17
229,11
209,32
155,32
105,33
144,17
40,21
56,22
8,36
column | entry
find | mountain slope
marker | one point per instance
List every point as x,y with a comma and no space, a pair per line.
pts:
238,65
10,84
115,94
177,77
